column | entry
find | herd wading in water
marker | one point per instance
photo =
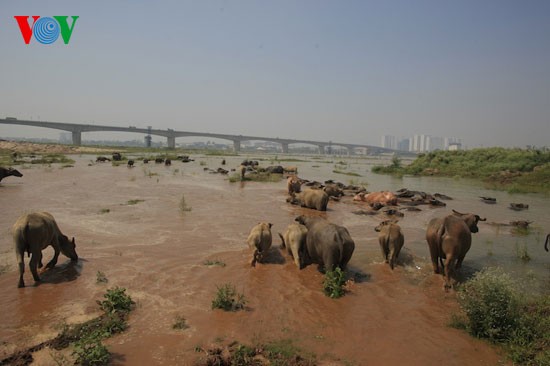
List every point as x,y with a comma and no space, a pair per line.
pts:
308,240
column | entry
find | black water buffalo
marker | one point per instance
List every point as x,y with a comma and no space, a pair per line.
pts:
327,244
450,238
167,162
130,163
102,159
6,172
117,156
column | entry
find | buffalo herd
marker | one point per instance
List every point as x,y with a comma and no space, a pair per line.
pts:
307,240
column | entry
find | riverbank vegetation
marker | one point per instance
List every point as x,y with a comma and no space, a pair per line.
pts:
494,308
514,170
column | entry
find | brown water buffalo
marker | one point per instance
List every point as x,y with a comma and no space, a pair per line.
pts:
333,190
259,239
293,184
32,233
450,238
294,240
6,172
391,240
316,199
327,244
384,197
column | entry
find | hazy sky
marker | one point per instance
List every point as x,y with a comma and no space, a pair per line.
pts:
347,71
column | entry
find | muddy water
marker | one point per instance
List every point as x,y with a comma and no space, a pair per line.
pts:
157,253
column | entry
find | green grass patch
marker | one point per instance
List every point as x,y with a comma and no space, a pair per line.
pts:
353,174
180,323
104,210
52,159
101,278
494,308
134,202
213,263
256,177
333,283
228,299
275,353
514,170
184,207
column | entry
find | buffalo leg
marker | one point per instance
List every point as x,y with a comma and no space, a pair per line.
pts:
53,262
21,264
435,257
35,259
384,249
449,272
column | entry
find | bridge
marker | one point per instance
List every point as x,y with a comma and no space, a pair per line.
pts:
171,135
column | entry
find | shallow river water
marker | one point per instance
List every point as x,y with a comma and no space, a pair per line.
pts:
156,251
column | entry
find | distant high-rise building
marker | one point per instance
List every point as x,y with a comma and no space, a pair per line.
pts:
388,142
434,143
403,145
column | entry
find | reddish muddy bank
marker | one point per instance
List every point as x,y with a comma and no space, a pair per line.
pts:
157,251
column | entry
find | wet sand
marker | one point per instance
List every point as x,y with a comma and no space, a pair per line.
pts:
156,252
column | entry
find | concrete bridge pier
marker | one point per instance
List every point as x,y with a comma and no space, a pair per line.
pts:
77,138
285,147
171,142
236,146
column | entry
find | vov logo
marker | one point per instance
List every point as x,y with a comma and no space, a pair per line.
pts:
45,29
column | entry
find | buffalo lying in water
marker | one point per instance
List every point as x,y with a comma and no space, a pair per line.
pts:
32,233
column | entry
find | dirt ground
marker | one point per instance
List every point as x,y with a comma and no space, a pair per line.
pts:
128,224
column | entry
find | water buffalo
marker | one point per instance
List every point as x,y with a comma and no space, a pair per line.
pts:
294,240
293,184
518,206
384,197
6,172
316,199
327,244
167,162
130,163
489,200
159,160
450,238
117,156
333,190
259,239
275,169
32,233
391,240
102,159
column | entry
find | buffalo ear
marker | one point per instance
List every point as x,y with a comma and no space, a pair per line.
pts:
480,219
270,225
72,241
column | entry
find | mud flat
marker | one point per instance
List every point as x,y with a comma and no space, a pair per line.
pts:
128,224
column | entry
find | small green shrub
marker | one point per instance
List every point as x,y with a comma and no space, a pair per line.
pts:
213,263
101,278
228,299
491,304
116,300
333,284
134,202
180,323
104,210
91,352
183,205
